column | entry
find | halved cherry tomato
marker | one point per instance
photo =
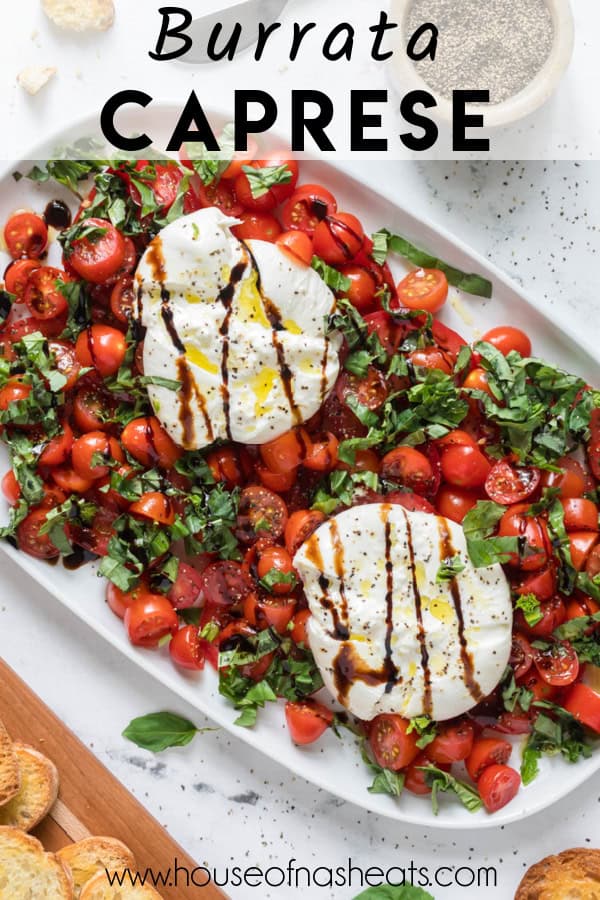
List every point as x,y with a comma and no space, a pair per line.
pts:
71,481
594,458
100,256
186,649
363,287
276,194
276,560
309,205
414,780
506,339
411,502
225,466
338,238
119,600
299,632
148,442
26,235
454,503
543,584
487,752
65,360
163,180
580,514
276,481
307,720
513,723
11,487
89,449
299,528
431,358
187,587
260,513
465,467
42,296
269,612
572,480
516,523
92,409
364,461
477,380
219,194
257,227
497,786
296,244
123,300
452,743
150,619
370,391
508,484
29,538
592,566
322,454
581,544
410,468
225,584
521,655
424,289
101,347
558,665
17,276
584,703
393,747
57,450
540,688
554,614
390,334
156,506
14,391
285,453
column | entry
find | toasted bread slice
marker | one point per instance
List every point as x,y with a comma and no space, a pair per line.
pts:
80,15
572,875
95,854
38,791
99,888
10,776
26,871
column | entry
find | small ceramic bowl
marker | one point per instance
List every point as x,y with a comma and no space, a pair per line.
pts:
405,76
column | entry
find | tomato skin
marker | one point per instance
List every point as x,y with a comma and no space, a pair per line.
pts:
285,453
299,528
498,785
269,612
363,286
71,481
101,347
11,488
155,506
123,300
186,590
99,259
516,523
521,656
278,559
370,391
29,538
91,408
580,514
275,195
543,584
225,584
409,501
581,544
554,614
257,227
364,461
410,468
507,484
584,703
322,455
477,380
309,205
431,358
392,746
226,467
424,289
338,238
452,743
84,449
17,275
507,339
559,665
571,481
487,752
307,721
414,780
186,649
298,245
14,391
148,442
299,632
465,467
275,481
41,295
592,566
150,618
164,183
57,450
261,507
454,503
119,600
26,234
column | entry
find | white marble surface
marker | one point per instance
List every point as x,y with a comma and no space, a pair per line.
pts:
220,799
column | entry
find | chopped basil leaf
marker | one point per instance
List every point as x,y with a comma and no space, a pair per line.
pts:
440,781
425,727
478,525
332,278
158,381
275,577
514,696
394,892
449,569
262,180
530,765
584,635
531,608
554,731
385,781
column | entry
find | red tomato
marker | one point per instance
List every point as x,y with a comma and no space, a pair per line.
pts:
309,205
123,300
276,560
29,538
508,484
86,450
477,380
217,194
102,348
155,506
572,480
507,339
584,703
148,442
225,467
516,523
285,453
364,461
92,409
454,503
498,785
225,584
554,614
558,665
338,238
513,723
410,468
257,227
298,245
446,338
392,746
17,276
261,513
424,289
275,195
275,159
269,612
100,256
322,455
335,416
465,467
390,334
363,286
411,502
187,587
164,180
414,780
299,528
370,391
594,458
592,567
14,391
307,720
26,235
42,296
299,632
431,358
543,584
581,544
487,752
119,600
150,619
276,481
65,360
452,743
580,514
71,481
11,488
186,648
521,655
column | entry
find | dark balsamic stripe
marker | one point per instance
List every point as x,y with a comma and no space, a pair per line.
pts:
427,702
390,668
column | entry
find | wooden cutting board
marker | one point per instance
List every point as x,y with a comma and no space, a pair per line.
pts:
91,801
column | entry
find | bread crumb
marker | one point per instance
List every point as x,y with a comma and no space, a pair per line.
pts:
33,78
80,15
